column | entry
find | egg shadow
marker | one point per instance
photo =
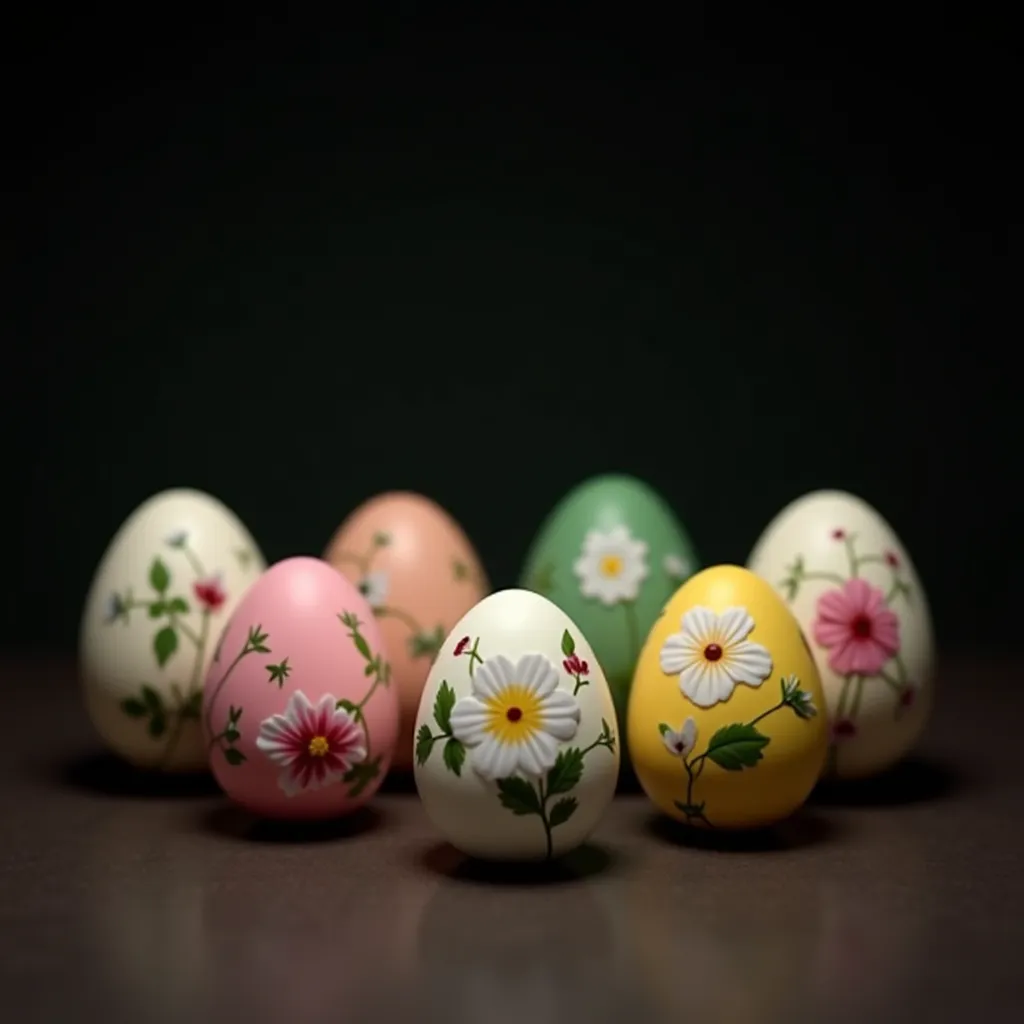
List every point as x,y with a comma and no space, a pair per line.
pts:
105,774
232,822
398,782
910,781
585,862
803,829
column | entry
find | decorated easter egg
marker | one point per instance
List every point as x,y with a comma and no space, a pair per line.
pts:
418,571
610,555
517,751
298,711
167,582
723,720
851,584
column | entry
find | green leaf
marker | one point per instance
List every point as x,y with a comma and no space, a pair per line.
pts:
568,645
663,728
567,771
690,810
735,747
443,704
563,811
518,796
159,577
232,734
454,756
361,775
152,699
156,609
165,643
234,756
350,706
134,707
361,645
424,744
157,725
178,606
279,673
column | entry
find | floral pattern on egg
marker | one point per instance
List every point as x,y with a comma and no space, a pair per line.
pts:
858,625
171,606
424,640
711,656
511,729
313,745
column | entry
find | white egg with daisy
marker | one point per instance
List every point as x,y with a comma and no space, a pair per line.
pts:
516,747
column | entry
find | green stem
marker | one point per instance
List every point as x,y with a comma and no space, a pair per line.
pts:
851,554
396,613
544,819
357,712
174,738
824,577
246,650
633,627
186,630
360,562
580,683
901,669
474,658
193,560
770,711
844,694
855,703
894,590
892,683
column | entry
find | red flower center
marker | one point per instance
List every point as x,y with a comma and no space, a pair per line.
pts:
514,714
712,652
861,627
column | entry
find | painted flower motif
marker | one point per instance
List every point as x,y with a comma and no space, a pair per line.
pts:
576,666
712,655
612,565
114,608
210,593
315,745
799,700
681,743
515,717
676,567
374,587
178,539
859,630
461,646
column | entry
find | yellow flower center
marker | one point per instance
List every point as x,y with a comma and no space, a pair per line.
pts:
514,715
611,565
319,747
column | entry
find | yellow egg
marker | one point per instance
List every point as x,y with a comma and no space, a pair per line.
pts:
724,719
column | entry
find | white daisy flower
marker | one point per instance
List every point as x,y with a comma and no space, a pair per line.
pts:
676,567
612,565
680,743
712,655
515,717
375,587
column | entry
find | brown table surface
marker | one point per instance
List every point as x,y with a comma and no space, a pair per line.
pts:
899,900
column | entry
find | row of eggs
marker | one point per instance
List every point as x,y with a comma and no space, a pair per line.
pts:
301,685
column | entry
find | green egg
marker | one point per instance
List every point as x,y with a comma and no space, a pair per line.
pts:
610,556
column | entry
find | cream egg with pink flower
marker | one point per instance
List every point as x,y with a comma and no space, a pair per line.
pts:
299,714
516,747
851,584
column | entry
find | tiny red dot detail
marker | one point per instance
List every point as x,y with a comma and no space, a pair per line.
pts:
712,652
514,714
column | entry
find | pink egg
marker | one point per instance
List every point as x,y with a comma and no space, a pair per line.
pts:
299,716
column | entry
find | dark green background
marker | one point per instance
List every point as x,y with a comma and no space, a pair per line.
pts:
296,266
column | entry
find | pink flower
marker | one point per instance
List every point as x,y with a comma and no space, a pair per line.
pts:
461,646
314,745
860,631
210,593
574,666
